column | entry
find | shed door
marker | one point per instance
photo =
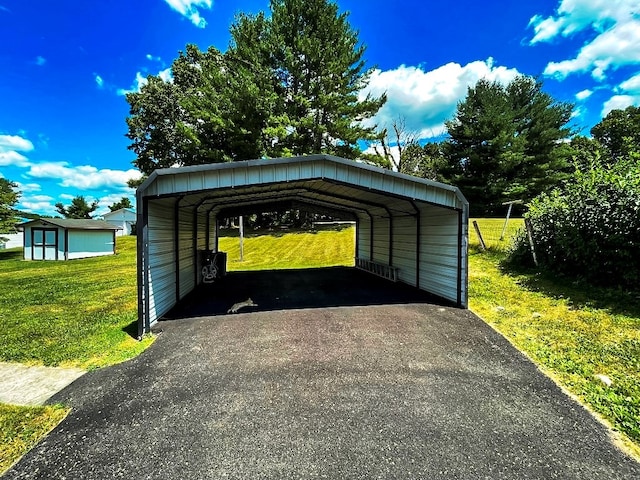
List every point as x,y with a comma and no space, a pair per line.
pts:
44,244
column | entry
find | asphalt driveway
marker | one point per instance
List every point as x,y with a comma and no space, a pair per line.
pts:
391,390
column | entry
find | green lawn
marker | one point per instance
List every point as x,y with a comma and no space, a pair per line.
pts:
266,250
22,427
75,313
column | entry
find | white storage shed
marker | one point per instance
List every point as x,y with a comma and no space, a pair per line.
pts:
407,229
67,239
125,218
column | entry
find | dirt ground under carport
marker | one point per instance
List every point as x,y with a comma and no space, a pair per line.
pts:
396,387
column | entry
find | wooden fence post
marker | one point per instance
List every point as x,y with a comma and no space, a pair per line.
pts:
527,224
482,244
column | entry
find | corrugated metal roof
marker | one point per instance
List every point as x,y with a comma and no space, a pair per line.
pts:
319,178
74,223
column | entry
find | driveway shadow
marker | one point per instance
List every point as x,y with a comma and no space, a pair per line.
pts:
299,288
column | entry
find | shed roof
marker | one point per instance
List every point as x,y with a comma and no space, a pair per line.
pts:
73,224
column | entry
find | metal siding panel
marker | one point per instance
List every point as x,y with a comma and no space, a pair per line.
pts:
404,248
211,180
196,181
186,254
439,251
381,240
364,239
161,269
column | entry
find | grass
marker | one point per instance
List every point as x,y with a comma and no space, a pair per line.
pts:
491,230
572,331
22,427
269,251
77,313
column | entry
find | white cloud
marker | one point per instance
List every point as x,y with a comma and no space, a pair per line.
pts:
29,187
141,81
151,58
576,15
615,27
42,204
104,202
425,99
577,112
584,94
10,146
99,80
618,102
41,198
627,94
189,9
632,84
41,208
84,177
15,142
13,158
40,61
613,48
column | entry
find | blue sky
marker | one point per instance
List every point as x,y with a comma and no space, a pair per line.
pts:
64,67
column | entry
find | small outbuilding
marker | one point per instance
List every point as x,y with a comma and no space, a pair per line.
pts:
67,239
125,218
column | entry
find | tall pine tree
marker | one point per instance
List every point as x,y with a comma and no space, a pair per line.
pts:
503,143
288,84
320,70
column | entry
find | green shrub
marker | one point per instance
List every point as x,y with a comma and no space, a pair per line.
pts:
590,228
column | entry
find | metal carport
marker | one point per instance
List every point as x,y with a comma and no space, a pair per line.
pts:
407,227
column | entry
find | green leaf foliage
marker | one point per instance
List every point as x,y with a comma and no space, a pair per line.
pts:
619,133
503,143
79,208
590,229
124,202
288,84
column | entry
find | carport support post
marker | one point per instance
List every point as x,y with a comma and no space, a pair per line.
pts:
176,244
418,239
142,241
217,234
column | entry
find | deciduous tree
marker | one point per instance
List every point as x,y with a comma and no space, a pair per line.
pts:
619,134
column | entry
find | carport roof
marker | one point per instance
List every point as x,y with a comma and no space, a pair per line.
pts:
315,181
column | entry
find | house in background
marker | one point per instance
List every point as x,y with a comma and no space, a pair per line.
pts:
11,240
67,239
125,218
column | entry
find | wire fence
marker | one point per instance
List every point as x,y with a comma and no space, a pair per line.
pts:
491,230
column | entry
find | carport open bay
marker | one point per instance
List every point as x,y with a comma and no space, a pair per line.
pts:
395,389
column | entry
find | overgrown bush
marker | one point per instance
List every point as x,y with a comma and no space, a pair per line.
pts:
590,228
